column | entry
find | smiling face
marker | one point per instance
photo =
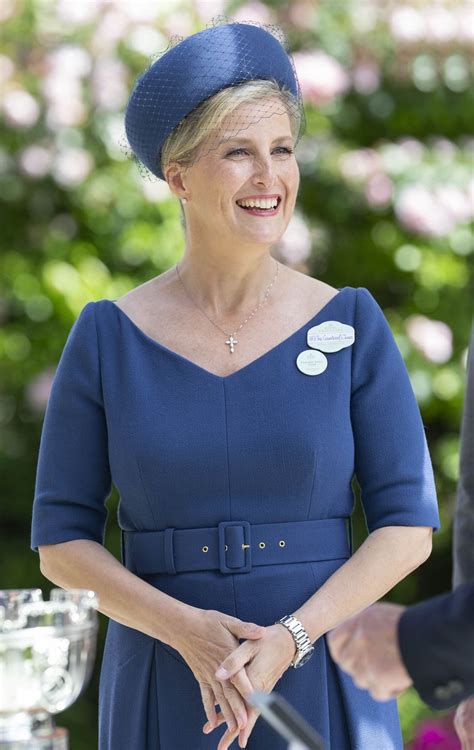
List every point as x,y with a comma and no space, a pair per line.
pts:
257,161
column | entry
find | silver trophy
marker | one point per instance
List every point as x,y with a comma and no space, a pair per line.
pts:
47,653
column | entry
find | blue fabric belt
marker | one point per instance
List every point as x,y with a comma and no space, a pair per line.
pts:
236,546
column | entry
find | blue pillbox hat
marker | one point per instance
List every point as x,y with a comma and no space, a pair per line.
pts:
196,68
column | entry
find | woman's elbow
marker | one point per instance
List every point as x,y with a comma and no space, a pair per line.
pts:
46,553
62,561
414,543
50,555
425,542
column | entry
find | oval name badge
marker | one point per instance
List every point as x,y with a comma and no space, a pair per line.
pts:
311,362
331,336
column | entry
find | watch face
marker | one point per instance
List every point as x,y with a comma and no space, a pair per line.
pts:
305,658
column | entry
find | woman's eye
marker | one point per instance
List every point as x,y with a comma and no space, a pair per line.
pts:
280,148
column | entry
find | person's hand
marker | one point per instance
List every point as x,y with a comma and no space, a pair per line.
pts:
211,637
464,723
366,646
267,659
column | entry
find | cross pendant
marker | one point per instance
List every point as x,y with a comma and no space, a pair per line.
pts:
231,341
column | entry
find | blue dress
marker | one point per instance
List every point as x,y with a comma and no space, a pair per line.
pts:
188,449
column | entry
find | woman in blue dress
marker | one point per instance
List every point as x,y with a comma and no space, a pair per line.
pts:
231,400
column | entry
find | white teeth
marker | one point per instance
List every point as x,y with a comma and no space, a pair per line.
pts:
268,203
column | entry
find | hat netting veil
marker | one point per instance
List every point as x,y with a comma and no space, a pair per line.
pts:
180,81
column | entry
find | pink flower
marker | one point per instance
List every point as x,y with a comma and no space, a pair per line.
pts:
433,735
7,9
321,77
109,83
77,14
254,10
7,68
294,246
464,15
301,13
72,166
20,109
455,202
112,27
407,24
441,24
38,389
35,161
433,338
413,148
419,211
360,164
69,60
365,76
379,190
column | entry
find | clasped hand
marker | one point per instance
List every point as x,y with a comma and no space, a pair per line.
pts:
257,663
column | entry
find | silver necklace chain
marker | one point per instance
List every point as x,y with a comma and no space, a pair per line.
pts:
231,341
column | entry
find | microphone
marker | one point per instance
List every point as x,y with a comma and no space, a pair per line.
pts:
286,720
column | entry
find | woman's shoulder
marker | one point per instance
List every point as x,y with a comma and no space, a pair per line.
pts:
305,289
311,289
138,298
357,303
149,306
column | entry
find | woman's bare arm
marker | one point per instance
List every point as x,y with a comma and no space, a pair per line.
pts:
82,563
387,556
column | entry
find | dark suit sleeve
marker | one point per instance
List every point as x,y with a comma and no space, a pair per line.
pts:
463,521
436,639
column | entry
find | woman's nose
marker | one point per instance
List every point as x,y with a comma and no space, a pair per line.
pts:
264,168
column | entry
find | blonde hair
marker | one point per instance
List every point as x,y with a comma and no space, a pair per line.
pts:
184,142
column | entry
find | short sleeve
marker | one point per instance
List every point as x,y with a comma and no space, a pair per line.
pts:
392,461
73,478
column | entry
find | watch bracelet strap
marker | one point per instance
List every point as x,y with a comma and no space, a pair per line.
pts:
301,638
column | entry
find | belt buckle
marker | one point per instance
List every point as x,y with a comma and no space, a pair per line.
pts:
246,548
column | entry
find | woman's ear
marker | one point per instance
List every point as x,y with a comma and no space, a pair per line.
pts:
174,178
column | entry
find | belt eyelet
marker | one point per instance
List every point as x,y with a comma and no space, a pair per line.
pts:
261,545
282,542
205,548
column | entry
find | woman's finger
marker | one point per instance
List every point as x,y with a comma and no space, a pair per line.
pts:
238,707
245,734
236,666
242,684
236,703
245,687
233,705
209,703
219,720
252,715
225,706
236,660
227,739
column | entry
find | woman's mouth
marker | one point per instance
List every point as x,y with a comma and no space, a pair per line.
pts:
254,211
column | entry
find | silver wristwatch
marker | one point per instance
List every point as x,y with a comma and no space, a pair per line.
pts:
301,638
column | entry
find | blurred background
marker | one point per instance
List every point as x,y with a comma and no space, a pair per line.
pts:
386,201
